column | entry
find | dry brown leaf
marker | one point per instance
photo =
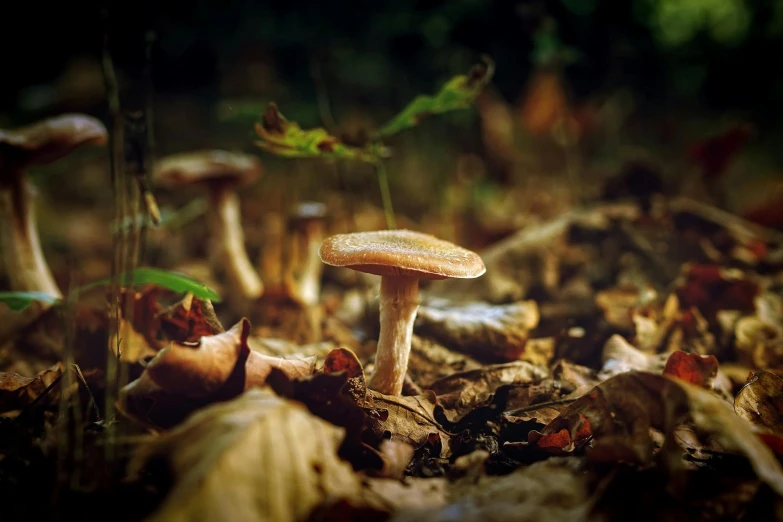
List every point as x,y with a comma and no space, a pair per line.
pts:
758,343
430,361
408,419
133,346
256,458
482,330
462,393
554,490
189,319
185,376
17,391
760,401
201,368
619,413
619,356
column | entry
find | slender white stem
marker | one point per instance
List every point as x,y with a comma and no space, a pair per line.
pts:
25,263
229,240
399,302
309,281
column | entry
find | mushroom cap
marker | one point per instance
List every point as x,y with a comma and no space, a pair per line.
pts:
401,253
50,139
307,210
207,167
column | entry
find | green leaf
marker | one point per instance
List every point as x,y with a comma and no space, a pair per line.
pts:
457,93
21,300
284,138
164,278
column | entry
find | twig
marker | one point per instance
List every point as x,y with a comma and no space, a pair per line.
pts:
80,375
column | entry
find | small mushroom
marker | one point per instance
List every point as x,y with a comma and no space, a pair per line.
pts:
401,258
219,172
306,232
37,144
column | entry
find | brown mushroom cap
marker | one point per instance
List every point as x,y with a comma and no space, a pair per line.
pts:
207,167
50,139
401,253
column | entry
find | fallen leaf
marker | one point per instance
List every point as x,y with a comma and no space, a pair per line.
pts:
619,413
430,361
189,319
17,391
620,356
711,288
201,368
555,490
758,344
132,346
185,376
760,401
464,392
482,330
408,419
257,457
700,370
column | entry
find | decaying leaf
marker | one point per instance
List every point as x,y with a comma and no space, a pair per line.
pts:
190,375
430,361
483,330
700,370
408,419
553,490
284,138
758,343
189,319
129,344
620,356
457,93
255,458
463,392
618,414
760,401
17,391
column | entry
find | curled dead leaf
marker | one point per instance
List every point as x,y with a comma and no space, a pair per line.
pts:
190,375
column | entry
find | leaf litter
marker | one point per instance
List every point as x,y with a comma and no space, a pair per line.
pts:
631,346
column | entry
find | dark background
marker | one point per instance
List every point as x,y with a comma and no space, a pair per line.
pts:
380,53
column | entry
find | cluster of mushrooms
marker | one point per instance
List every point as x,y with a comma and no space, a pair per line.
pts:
400,257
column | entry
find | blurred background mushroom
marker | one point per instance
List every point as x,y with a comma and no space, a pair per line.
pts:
219,173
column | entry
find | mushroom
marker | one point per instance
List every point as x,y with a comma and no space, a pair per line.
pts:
37,144
401,258
219,172
306,227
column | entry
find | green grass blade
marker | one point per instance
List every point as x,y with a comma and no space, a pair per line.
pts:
173,281
21,300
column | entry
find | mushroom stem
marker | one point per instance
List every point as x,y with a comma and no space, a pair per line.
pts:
24,260
230,254
399,302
